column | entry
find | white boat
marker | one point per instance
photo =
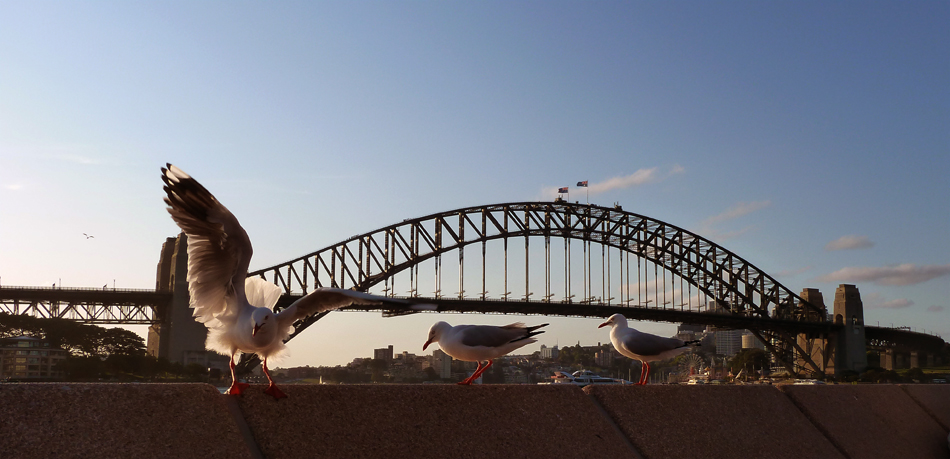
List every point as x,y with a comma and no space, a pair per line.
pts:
582,378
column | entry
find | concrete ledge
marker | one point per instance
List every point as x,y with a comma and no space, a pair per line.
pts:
50,420
872,421
437,421
712,422
934,398
47,420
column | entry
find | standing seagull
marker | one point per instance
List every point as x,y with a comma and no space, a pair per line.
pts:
236,309
478,343
643,346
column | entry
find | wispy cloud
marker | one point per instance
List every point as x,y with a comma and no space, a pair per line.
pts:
638,178
849,243
793,272
935,308
904,274
13,186
899,303
878,301
736,211
706,227
711,233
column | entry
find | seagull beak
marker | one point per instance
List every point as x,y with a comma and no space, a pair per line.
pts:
603,325
424,346
256,328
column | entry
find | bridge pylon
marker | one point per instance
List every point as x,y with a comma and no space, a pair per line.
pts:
851,345
177,336
816,350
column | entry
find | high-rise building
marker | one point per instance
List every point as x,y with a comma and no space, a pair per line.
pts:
442,363
25,357
385,354
749,341
549,353
728,342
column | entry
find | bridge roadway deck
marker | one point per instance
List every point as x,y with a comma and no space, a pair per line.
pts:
598,310
97,306
435,421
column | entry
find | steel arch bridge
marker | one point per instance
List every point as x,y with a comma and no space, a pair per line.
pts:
716,286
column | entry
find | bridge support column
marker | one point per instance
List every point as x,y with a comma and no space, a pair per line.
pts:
914,359
817,347
178,337
851,347
887,359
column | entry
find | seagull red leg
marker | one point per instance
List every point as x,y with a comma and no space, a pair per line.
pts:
478,373
467,381
645,374
272,389
236,387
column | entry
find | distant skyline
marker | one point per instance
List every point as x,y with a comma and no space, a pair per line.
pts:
810,138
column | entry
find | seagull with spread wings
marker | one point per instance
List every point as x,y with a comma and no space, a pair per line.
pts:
238,310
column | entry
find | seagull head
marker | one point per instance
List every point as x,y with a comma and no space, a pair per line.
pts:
261,317
615,320
435,333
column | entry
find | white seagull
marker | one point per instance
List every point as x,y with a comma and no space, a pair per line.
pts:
478,343
642,346
238,310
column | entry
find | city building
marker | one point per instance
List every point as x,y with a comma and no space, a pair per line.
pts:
442,363
749,341
549,353
728,342
604,357
385,353
25,357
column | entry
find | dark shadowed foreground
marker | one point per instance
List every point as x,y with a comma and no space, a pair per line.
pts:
436,421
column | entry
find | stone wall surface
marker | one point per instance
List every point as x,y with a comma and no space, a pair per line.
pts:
712,422
72,420
872,421
429,421
934,398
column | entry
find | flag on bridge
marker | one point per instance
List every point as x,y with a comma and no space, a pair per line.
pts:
584,183
562,190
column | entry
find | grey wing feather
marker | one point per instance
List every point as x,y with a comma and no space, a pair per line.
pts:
219,250
647,344
329,299
491,336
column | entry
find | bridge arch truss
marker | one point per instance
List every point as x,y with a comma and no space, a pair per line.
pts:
712,279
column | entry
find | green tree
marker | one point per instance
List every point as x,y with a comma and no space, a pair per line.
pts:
915,374
750,360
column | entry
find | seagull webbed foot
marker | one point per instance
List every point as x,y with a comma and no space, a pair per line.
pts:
275,392
237,388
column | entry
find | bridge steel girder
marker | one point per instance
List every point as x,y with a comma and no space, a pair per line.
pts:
91,306
368,259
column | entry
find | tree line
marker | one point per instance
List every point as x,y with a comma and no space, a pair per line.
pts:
97,353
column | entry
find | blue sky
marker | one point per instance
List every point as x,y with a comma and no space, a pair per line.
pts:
810,138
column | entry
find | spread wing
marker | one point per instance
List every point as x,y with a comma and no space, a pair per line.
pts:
647,344
492,336
219,250
329,299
